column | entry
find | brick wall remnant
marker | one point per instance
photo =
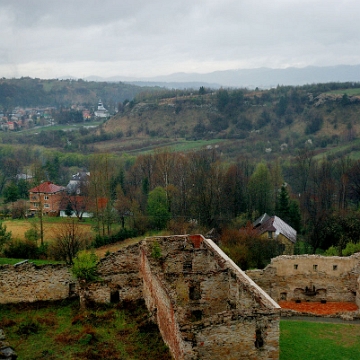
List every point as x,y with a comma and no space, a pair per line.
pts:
311,278
27,282
204,305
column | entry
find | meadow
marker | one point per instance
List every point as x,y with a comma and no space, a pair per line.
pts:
62,330
301,340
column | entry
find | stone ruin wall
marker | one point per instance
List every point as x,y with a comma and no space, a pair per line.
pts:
311,278
120,278
204,305
27,282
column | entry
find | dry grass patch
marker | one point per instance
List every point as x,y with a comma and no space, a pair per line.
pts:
19,227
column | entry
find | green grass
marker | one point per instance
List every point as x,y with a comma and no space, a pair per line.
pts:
62,331
4,261
351,92
60,127
301,340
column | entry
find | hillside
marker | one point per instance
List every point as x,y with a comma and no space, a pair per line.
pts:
267,123
28,92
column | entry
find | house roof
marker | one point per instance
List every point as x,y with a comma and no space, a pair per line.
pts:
275,224
47,187
260,220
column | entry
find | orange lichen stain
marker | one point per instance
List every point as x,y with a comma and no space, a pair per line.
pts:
319,308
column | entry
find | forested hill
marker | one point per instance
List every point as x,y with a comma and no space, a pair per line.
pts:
28,92
267,122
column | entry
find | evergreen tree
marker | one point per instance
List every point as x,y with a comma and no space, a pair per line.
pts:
294,215
282,208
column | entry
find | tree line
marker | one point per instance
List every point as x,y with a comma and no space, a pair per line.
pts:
199,190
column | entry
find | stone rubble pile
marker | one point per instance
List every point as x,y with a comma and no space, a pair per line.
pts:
6,351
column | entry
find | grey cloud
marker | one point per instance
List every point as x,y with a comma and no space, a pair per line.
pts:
163,35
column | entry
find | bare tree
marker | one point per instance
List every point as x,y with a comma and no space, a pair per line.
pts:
69,239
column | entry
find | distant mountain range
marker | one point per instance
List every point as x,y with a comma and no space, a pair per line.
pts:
263,78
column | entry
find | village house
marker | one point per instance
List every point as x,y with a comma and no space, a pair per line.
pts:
78,183
45,197
272,227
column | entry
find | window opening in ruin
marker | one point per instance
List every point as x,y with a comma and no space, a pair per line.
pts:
196,315
334,267
72,289
314,267
187,265
115,297
194,291
296,266
259,341
283,296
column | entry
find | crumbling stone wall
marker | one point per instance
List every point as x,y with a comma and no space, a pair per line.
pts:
311,278
205,306
27,282
119,278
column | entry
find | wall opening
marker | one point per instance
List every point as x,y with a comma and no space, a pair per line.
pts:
115,297
72,289
315,267
187,264
295,266
196,315
194,291
259,341
283,296
334,267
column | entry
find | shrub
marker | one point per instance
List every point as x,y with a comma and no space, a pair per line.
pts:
121,235
22,249
351,248
85,266
156,250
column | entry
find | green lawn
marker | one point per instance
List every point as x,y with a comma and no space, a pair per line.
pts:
350,92
4,261
301,340
61,331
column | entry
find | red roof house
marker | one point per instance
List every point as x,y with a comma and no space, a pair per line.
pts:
46,197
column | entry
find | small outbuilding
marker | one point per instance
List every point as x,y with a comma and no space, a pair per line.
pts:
272,227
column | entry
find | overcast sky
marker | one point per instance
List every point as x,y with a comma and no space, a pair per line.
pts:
55,38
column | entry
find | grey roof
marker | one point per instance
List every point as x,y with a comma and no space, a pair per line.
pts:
275,224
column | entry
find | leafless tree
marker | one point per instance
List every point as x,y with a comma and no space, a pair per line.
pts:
69,239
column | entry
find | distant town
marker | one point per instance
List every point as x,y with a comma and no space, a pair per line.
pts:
26,118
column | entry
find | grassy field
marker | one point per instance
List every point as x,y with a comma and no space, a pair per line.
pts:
19,227
63,331
350,92
301,340
64,127
9,261
144,146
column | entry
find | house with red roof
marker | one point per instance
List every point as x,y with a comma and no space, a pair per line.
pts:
46,197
